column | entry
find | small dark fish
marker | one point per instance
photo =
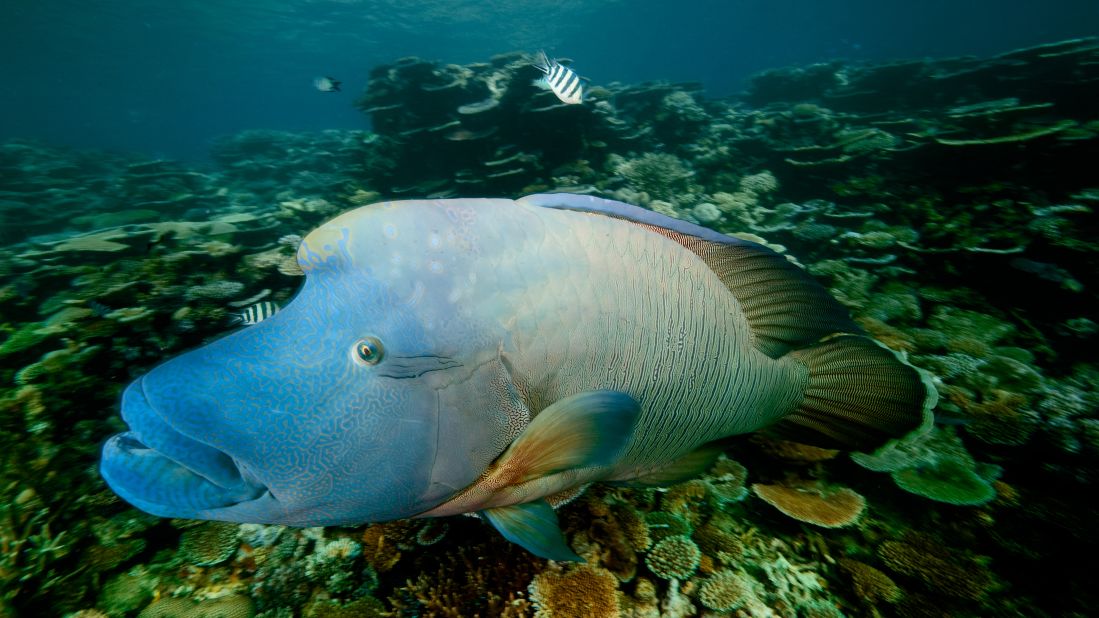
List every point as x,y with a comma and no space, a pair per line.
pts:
254,314
327,84
99,310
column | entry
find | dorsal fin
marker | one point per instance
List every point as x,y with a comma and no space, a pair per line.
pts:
786,308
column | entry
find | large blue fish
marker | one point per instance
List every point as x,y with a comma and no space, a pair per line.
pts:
496,356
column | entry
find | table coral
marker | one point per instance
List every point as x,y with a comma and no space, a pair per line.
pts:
935,465
814,503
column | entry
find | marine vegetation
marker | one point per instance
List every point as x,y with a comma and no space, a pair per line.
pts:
984,274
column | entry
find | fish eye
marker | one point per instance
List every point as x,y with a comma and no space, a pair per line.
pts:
369,350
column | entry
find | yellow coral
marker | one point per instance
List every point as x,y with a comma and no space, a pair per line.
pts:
870,584
581,590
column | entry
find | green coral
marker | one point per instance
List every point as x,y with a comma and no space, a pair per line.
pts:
662,524
126,592
935,465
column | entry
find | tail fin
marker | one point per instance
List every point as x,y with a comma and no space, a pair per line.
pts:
860,395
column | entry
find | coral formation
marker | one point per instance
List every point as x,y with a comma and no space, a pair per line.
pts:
983,274
722,591
814,503
209,543
674,557
581,590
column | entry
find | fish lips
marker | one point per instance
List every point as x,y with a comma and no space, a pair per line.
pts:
161,471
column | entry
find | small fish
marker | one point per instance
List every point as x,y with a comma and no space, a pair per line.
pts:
563,81
327,84
99,310
254,314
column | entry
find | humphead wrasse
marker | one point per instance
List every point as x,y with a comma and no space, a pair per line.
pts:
494,356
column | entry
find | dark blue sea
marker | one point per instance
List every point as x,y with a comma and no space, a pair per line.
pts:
571,309
164,78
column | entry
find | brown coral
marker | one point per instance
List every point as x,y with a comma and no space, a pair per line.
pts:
792,451
891,337
718,538
380,546
870,584
814,503
581,590
940,569
462,584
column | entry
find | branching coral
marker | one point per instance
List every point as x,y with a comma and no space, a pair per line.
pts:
870,585
940,569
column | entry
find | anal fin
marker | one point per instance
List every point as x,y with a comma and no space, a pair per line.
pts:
532,525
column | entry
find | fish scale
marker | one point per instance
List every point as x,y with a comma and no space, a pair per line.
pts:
681,282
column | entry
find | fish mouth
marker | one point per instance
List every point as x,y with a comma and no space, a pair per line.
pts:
161,471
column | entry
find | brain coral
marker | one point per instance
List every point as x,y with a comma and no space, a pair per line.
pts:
818,504
675,557
209,543
723,591
232,606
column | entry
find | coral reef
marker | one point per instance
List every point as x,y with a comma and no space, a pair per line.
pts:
984,275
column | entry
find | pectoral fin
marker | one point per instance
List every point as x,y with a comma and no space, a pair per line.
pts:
584,430
532,525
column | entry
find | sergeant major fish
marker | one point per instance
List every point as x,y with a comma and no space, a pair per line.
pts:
563,81
493,356
256,313
326,84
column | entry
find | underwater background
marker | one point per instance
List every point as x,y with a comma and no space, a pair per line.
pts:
933,166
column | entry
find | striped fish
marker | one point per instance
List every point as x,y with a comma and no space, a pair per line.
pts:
563,81
254,314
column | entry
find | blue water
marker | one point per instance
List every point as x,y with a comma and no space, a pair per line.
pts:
164,77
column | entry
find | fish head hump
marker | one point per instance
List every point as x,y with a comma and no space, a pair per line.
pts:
357,402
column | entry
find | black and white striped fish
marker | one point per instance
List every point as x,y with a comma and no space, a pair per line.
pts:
563,81
254,314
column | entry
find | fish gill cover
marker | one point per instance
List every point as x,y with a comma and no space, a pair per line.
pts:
948,204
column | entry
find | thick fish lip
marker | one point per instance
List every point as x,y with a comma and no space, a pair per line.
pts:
164,472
